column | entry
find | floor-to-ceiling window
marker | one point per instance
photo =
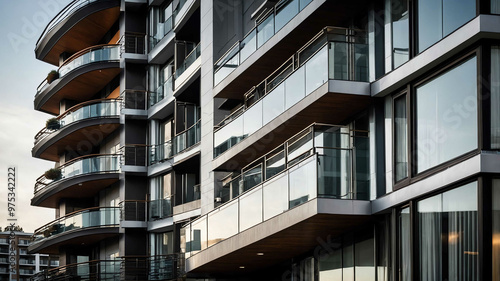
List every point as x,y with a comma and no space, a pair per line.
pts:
446,116
438,18
448,235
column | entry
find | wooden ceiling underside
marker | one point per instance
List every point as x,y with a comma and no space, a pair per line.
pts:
84,189
80,89
86,33
81,141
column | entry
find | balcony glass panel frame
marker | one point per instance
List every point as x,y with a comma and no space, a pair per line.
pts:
318,65
94,54
79,220
321,155
281,14
86,165
102,108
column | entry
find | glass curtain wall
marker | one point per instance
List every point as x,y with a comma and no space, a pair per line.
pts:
438,18
448,234
447,116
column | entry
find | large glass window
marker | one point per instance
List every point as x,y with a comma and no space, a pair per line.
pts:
400,139
438,18
448,235
162,243
400,32
447,116
495,97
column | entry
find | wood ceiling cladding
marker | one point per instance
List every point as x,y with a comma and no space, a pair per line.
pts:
81,88
87,189
86,33
78,140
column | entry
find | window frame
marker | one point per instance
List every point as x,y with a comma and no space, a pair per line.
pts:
414,174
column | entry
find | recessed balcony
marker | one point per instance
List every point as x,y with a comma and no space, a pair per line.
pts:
82,177
180,143
86,226
81,127
80,77
336,57
81,24
319,180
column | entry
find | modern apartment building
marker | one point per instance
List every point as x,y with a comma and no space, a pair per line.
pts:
15,256
272,140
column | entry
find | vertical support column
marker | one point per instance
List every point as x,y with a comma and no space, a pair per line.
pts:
207,107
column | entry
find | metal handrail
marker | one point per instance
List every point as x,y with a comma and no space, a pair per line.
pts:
72,214
44,132
72,6
39,180
73,57
291,61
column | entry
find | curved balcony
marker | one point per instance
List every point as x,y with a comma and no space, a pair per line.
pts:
80,77
81,24
85,124
161,267
85,226
81,177
91,270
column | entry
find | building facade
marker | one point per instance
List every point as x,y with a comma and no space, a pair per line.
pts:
16,257
273,140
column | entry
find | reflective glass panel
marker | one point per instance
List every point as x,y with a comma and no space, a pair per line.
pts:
447,116
251,209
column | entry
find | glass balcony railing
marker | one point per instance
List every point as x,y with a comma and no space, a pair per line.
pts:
103,108
160,208
162,29
337,54
164,91
321,161
188,61
87,56
105,270
87,218
91,164
279,16
179,143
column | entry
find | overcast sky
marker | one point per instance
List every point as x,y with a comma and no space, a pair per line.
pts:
21,23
